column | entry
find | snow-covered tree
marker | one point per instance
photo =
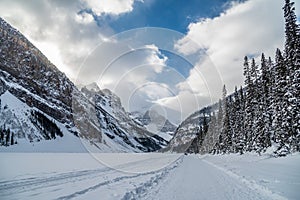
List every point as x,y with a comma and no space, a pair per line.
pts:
292,37
279,125
292,60
225,131
248,103
266,111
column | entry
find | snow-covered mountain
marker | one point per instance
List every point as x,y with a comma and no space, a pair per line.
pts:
28,76
155,123
38,102
117,124
188,130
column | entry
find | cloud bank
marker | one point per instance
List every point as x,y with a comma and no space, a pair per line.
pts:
75,36
248,28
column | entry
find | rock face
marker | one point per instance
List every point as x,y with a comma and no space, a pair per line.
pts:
30,76
32,87
45,96
188,130
117,124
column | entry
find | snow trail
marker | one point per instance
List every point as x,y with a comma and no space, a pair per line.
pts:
89,184
136,177
156,175
249,183
197,178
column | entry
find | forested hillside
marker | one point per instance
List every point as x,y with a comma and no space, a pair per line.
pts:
265,113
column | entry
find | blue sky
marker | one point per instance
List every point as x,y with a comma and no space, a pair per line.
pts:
172,14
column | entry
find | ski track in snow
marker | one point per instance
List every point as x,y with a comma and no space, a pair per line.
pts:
249,183
90,180
197,178
132,194
141,191
187,177
29,184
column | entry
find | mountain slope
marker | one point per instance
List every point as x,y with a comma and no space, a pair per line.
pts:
51,100
188,130
117,124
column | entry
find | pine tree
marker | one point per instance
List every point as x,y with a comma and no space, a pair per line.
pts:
227,144
271,99
1,136
292,37
263,122
233,120
248,103
218,138
292,59
209,140
237,123
205,125
12,139
7,137
242,135
252,101
280,126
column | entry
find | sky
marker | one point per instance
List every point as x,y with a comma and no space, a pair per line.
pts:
173,55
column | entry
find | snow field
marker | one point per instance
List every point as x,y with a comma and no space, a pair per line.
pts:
148,176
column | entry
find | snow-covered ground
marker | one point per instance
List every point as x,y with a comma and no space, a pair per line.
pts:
147,176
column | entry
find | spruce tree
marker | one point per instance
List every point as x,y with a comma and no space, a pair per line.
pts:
12,142
248,103
209,141
205,125
292,37
280,125
237,124
253,106
242,115
292,59
218,138
226,143
233,116
7,137
271,99
1,136
263,123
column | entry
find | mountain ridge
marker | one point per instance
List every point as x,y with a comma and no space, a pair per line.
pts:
30,77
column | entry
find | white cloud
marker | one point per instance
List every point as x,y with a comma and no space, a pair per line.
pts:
184,103
112,7
202,87
61,29
84,18
155,91
66,36
112,62
156,58
127,72
248,28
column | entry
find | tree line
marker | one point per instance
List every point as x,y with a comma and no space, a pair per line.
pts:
7,137
48,128
265,113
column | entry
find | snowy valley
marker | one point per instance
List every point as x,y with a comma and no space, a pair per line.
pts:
62,141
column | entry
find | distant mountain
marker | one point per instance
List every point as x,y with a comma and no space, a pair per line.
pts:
155,123
38,102
117,124
188,130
